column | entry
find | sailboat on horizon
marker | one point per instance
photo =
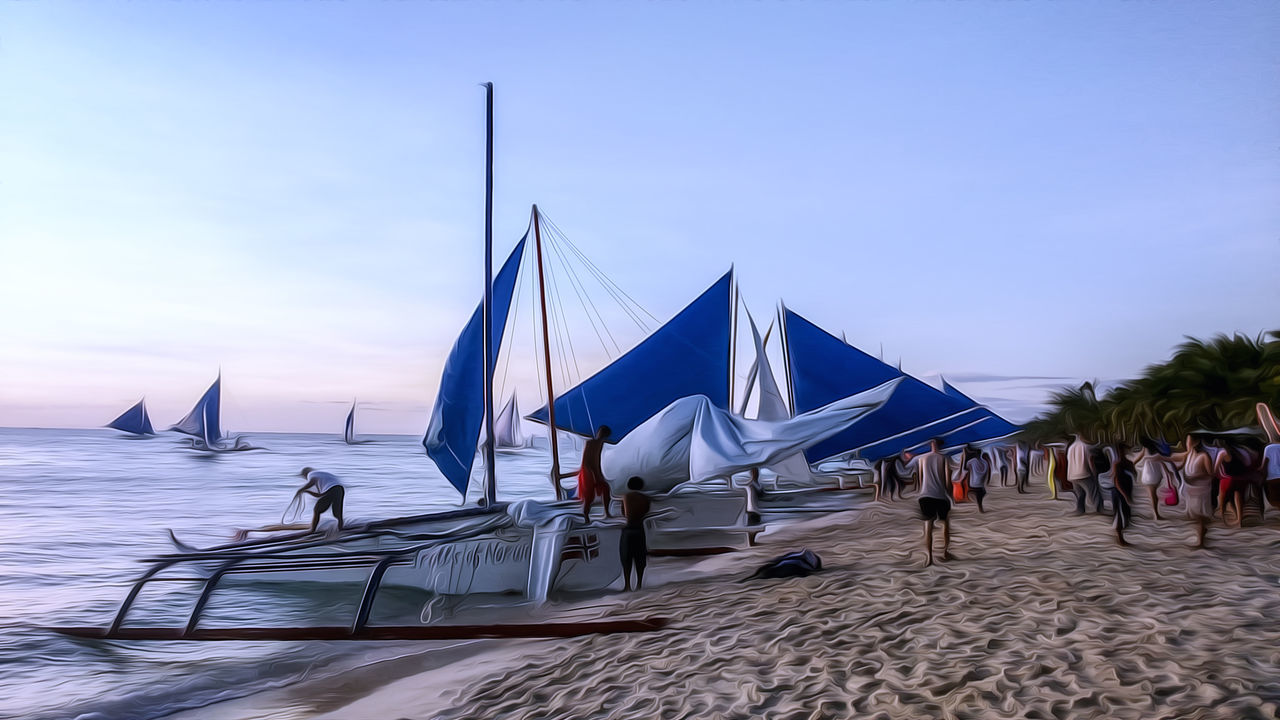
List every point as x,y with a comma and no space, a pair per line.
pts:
134,421
349,428
203,424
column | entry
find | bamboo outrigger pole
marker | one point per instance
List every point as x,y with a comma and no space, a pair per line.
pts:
490,484
546,358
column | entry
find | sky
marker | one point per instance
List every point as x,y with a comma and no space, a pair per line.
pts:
1015,195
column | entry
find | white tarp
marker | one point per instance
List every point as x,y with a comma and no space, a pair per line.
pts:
691,439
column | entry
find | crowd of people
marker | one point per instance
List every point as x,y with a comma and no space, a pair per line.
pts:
1210,475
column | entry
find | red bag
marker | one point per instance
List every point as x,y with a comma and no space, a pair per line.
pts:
1169,493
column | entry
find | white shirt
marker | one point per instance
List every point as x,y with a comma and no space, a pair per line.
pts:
933,476
324,481
1272,454
1078,461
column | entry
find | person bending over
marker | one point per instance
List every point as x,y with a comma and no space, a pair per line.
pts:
328,492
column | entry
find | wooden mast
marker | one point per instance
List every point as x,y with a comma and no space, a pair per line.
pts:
546,360
490,485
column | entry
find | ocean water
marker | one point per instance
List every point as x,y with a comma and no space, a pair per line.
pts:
80,510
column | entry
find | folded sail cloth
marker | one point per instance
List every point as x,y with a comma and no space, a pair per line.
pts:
692,439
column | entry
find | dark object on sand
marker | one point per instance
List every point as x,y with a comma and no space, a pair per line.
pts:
795,564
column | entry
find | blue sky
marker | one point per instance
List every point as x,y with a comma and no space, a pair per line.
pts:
293,192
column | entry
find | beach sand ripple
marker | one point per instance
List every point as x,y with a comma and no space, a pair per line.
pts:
1040,615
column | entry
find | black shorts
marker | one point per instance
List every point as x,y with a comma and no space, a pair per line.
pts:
633,548
934,508
331,498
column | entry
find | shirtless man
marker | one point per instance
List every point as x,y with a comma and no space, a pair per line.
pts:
590,477
633,548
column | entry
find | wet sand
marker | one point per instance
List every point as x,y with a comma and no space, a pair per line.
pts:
1039,615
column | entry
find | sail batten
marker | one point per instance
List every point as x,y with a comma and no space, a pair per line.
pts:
458,415
134,420
687,356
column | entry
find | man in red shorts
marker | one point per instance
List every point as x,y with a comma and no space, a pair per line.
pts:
591,480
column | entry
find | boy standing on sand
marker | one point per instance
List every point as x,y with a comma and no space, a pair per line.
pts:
633,548
935,503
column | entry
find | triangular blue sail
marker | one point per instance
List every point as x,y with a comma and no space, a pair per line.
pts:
349,431
458,414
825,369
687,356
204,419
134,420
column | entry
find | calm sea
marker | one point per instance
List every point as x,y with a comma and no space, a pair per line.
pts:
79,509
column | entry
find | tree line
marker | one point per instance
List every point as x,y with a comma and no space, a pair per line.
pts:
1212,384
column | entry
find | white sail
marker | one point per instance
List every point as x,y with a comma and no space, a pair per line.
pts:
772,407
506,427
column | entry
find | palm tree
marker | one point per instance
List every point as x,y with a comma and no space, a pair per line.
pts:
1209,384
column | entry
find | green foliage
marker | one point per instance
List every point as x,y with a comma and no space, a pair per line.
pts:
1209,384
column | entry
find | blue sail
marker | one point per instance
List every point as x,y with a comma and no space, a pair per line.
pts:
134,420
458,414
976,425
204,420
689,355
825,369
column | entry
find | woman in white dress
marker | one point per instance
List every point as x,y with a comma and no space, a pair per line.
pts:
1199,483
1154,471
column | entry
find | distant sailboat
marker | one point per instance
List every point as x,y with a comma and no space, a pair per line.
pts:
506,428
349,430
134,420
203,423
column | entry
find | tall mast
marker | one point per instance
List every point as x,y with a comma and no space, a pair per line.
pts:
490,485
786,357
546,359
733,339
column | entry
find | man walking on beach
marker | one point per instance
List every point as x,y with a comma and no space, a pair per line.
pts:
1082,476
1022,465
935,503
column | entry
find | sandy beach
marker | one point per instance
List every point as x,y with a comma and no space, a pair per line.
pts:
1039,615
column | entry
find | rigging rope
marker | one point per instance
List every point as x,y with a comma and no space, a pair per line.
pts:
587,307
605,281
